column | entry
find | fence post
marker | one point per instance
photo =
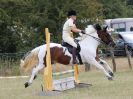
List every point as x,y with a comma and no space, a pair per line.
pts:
128,56
113,59
87,67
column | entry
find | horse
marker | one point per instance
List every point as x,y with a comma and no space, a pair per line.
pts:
35,60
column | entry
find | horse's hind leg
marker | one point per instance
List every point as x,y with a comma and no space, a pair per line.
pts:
40,65
34,73
104,63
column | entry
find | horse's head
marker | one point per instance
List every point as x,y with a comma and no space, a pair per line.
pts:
104,35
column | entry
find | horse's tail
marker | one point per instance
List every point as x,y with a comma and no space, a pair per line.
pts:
30,60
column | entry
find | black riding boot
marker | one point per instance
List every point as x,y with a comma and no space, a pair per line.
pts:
74,55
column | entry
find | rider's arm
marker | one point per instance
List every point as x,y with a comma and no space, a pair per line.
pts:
75,29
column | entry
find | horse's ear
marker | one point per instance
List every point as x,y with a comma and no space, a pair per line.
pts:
105,28
97,27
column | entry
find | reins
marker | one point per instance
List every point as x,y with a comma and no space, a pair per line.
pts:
97,39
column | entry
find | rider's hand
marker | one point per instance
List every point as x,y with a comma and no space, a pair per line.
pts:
83,31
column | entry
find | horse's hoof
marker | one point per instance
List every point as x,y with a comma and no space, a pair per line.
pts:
35,77
110,78
111,74
26,84
101,63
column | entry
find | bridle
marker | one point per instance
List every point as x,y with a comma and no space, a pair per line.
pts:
97,39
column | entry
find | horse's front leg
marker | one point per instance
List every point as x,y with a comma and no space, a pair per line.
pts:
34,73
104,63
99,66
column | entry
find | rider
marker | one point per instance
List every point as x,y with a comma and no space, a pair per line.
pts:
69,27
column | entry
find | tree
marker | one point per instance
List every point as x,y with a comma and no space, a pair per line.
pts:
115,9
22,21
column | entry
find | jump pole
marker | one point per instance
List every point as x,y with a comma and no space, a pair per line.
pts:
48,79
76,74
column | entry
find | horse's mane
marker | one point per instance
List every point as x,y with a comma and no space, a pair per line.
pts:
90,29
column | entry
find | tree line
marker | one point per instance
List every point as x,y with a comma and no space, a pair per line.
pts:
22,22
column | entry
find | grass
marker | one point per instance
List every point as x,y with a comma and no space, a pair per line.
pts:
120,88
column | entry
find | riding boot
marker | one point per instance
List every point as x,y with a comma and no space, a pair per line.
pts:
74,55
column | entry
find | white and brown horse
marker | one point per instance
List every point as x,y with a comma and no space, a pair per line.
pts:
88,42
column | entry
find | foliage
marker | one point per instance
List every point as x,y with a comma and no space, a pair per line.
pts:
22,22
116,9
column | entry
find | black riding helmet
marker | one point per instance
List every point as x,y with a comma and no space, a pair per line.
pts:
71,12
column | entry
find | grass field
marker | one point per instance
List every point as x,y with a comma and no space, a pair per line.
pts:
120,88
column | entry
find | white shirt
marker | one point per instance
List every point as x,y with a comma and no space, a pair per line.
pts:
67,27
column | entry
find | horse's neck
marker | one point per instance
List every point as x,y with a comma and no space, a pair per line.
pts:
89,42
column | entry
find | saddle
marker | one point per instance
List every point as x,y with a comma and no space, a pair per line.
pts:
70,49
